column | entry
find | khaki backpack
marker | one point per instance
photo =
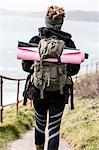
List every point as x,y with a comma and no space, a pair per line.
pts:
50,76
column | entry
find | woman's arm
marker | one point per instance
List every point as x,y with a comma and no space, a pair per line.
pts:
73,69
26,65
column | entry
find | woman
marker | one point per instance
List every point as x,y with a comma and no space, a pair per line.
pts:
53,102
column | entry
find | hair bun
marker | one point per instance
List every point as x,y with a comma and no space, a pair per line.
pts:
55,12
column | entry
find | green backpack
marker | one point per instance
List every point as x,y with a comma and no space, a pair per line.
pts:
50,76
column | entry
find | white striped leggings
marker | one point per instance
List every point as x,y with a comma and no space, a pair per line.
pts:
55,115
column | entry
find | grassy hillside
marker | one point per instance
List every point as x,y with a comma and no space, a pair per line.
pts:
14,126
87,86
80,127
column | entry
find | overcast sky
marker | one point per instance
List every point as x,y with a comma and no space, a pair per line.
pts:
39,5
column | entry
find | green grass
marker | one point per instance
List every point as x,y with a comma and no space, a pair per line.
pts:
14,126
80,127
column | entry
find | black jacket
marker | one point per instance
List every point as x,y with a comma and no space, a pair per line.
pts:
47,32
72,68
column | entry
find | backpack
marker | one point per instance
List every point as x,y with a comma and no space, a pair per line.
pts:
49,76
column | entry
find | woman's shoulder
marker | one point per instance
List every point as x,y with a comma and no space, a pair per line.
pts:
35,39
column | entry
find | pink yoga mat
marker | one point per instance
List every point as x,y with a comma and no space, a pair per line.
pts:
68,56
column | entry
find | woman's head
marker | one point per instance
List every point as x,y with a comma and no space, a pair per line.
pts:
54,17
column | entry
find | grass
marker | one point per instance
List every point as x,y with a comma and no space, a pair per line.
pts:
14,126
80,127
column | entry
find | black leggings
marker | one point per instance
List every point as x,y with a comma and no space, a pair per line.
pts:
55,115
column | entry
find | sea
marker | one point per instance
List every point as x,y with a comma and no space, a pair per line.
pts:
19,28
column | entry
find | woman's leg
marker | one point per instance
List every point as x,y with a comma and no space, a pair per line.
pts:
55,116
41,117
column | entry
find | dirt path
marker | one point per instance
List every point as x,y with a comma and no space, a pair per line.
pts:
27,143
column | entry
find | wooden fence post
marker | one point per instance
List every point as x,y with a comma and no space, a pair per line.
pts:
18,84
1,99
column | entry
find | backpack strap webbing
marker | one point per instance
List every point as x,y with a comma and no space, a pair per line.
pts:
25,92
60,78
60,73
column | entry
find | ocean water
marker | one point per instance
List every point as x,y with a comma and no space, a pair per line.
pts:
17,28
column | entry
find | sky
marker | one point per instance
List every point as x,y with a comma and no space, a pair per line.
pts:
41,5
